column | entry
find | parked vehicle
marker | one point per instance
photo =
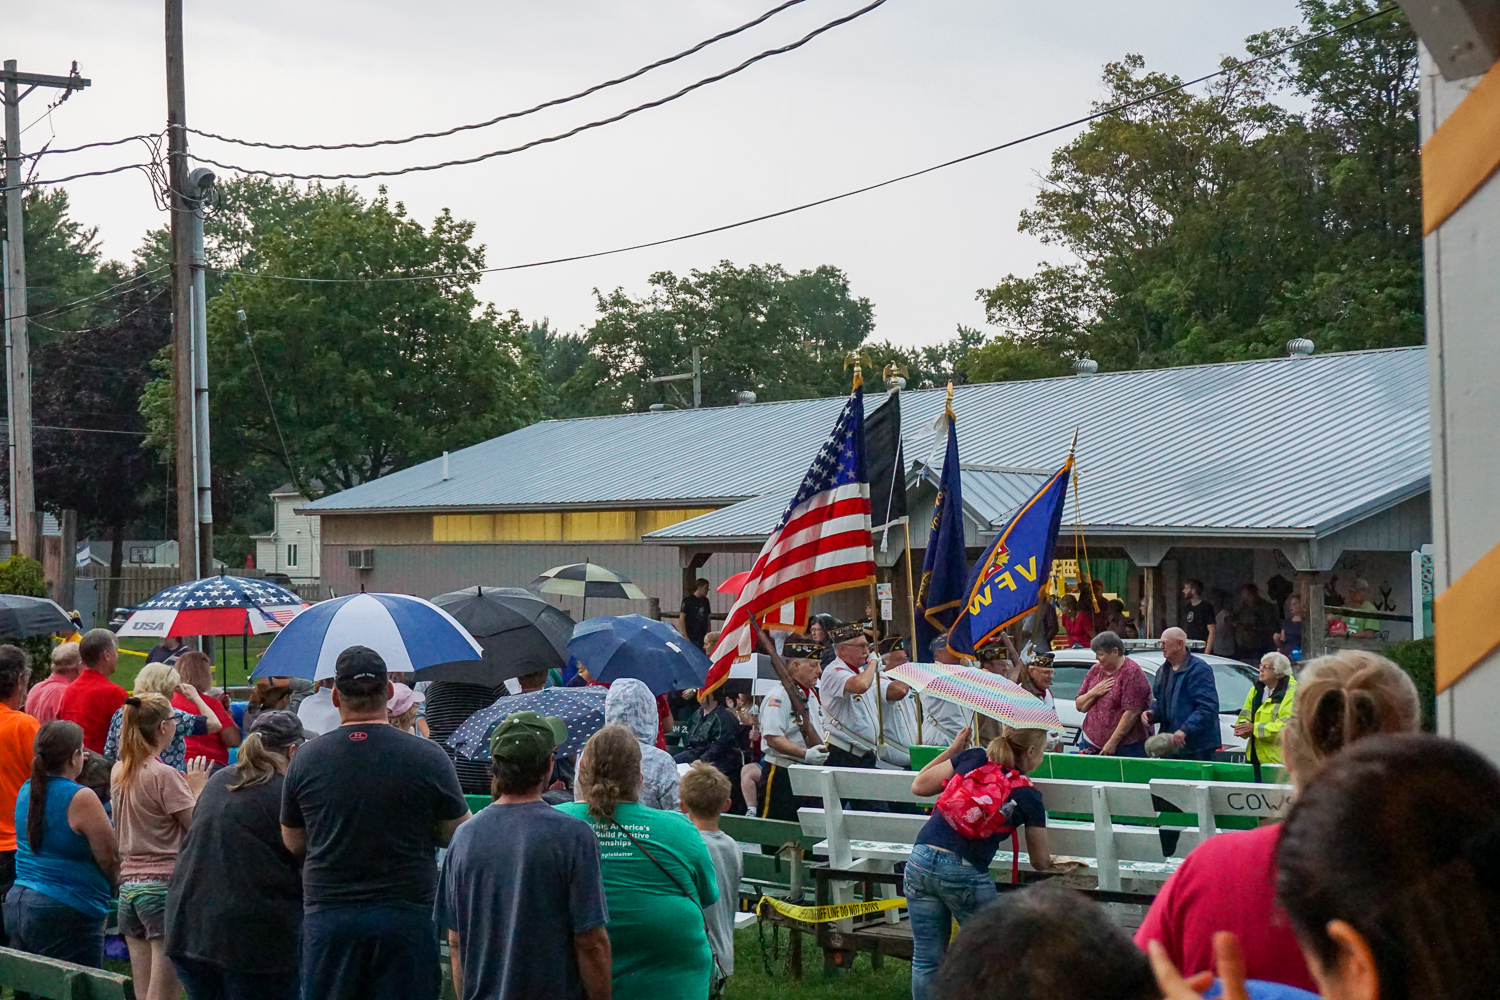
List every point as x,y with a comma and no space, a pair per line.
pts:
1233,679
120,617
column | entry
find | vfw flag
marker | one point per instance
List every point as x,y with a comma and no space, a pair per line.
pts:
1006,582
822,542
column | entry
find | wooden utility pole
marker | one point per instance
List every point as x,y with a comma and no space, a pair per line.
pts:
183,444
17,340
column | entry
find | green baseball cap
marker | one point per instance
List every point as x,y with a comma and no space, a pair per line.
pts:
527,737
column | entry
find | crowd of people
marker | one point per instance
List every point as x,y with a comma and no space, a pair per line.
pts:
317,856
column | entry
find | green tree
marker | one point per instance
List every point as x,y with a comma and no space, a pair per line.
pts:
65,282
361,377
1217,226
758,328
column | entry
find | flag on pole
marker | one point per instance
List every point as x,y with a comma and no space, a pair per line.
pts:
822,542
886,464
945,566
1007,582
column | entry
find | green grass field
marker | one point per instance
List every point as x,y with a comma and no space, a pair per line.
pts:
750,981
230,666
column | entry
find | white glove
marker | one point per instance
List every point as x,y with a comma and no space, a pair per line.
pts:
815,755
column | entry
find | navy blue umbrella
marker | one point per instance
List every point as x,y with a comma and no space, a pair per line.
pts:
639,647
582,709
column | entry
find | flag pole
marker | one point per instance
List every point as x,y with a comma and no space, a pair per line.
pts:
859,380
1046,589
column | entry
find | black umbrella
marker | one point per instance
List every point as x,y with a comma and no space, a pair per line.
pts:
23,617
519,632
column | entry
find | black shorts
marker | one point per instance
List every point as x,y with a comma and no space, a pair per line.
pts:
776,798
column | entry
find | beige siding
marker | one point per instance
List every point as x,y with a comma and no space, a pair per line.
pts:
358,530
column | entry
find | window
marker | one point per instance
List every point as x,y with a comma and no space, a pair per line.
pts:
291,555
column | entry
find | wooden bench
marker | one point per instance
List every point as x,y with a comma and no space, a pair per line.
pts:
1212,801
58,980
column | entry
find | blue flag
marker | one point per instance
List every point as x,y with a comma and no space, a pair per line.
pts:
945,565
1006,582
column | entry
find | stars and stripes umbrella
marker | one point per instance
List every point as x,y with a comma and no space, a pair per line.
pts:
408,633
22,617
587,580
582,709
215,605
979,691
639,647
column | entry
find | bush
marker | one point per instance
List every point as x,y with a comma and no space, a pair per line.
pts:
1417,658
22,575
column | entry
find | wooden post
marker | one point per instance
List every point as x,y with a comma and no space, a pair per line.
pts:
1148,627
1314,619
67,571
1171,590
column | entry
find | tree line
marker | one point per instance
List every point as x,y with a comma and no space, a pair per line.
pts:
1280,201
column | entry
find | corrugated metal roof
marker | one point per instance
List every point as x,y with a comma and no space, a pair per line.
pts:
1285,445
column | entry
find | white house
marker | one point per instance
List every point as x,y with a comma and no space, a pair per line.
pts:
293,545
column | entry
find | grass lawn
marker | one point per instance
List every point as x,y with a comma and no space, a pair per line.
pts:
750,981
228,655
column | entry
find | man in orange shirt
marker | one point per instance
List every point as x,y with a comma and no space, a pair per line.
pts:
17,735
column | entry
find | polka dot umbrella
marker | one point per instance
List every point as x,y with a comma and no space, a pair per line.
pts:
582,709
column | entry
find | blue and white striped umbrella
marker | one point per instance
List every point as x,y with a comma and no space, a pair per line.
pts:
408,632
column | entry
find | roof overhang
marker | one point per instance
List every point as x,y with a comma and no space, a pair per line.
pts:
675,503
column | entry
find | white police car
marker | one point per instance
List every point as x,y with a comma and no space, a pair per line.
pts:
1233,679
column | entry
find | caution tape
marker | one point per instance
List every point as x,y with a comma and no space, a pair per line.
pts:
826,914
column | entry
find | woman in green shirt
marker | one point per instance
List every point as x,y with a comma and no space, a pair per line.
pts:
658,876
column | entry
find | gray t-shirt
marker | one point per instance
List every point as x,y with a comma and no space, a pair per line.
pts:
518,883
719,916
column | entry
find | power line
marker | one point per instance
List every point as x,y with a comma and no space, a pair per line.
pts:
1102,113
561,135
88,145
508,116
111,291
88,173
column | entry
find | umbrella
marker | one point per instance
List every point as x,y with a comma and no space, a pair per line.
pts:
581,708
980,691
587,580
635,646
408,632
215,605
519,632
22,617
735,584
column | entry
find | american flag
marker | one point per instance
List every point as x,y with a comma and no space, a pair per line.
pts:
822,542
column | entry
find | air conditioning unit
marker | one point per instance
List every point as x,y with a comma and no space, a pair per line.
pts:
361,558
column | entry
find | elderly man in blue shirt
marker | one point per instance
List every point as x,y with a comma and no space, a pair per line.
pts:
1185,700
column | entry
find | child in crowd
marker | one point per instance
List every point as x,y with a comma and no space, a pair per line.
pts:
704,794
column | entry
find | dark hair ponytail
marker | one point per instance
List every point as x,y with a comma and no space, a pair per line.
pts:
56,743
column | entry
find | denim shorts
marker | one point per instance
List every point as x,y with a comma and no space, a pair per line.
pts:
143,909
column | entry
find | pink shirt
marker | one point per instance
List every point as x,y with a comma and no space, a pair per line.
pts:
1228,883
45,699
1131,693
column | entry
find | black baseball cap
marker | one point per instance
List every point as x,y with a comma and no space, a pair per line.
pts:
357,663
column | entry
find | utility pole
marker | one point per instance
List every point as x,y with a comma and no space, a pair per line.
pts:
696,375
199,188
17,340
184,448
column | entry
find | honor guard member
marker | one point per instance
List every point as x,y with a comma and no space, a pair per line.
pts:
942,720
848,703
901,714
781,737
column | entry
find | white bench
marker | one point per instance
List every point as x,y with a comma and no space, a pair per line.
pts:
858,840
1210,799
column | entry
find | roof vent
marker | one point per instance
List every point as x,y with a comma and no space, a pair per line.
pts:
1085,366
445,465
744,397
1299,347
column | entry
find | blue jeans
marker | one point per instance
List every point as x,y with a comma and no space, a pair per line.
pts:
940,888
370,952
206,981
41,925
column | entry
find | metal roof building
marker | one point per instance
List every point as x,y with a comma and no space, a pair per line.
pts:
1305,457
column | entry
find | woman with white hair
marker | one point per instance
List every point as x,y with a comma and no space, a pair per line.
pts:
1268,706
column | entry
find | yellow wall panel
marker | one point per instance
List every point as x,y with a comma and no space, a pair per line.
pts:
599,525
463,527
558,526
544,526
654,520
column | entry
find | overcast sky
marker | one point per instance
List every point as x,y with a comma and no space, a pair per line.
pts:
912,83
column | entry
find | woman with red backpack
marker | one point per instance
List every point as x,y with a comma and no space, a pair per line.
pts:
985,798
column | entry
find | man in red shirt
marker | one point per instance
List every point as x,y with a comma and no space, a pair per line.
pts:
92,699
43,700
17,734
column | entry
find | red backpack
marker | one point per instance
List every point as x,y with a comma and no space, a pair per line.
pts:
974,804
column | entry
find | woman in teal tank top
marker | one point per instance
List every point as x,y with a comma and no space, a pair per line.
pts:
66,856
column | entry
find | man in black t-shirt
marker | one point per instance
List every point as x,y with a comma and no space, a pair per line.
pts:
368,806
693,621
1196,617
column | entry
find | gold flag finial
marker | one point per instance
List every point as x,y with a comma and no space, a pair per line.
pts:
857,360
948,403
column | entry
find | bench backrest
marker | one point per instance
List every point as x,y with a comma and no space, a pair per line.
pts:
1211,800
58,980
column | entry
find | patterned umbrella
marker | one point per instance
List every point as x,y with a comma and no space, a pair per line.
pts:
980,691
587,580
215,605
581,708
